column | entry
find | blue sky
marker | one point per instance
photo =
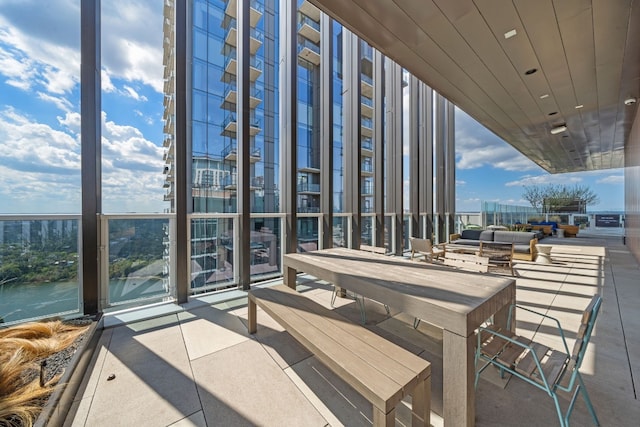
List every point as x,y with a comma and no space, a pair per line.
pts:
489,169
40,121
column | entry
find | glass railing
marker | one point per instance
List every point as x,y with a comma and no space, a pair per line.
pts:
232,118
368,230
232,179
367,144
233,87
233,149
138,252
40,257
308,188
232,23
255,5
367,123
308,233
39,266
305,20
212,253
309,45
367,167
366,51
366,101
366,79
341,230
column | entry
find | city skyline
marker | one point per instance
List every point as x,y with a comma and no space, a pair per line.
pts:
40,121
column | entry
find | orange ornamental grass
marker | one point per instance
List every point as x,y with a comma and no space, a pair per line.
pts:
22,348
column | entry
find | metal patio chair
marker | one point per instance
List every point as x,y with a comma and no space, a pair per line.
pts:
545,368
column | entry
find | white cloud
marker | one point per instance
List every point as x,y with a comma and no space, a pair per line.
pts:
611,179
460,182
40,44
48,47
62,103
40,166
569,179
131,93
476,147
131,51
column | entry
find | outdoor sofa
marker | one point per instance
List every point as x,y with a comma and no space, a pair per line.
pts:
524,242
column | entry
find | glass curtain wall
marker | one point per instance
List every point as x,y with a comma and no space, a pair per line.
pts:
135,174
215,144
308,176
367,142
340,225
40,163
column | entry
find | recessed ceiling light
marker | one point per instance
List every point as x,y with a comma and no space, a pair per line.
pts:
546,95
510,34
579,106
553,113
558,129
530,71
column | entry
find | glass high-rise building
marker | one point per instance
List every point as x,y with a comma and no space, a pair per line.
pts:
343,92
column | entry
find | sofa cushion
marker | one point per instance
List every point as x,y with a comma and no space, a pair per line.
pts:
486,235
522,249
513,236
470,242
471,234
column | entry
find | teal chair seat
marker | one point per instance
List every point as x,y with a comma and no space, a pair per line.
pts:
543,367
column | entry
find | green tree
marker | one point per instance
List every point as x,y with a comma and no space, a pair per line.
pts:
555,197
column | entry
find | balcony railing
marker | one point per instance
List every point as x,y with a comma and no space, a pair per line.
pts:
233,149
308,188
305,20
309,45
40,256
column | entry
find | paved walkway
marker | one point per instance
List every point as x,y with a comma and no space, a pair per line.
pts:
197,366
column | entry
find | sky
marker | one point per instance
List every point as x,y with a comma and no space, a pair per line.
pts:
40,119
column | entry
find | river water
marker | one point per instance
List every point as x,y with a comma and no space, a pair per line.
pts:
35,300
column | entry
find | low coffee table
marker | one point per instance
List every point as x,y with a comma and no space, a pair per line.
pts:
544,253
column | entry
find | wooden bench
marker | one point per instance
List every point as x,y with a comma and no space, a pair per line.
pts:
374,249
465,261
379,370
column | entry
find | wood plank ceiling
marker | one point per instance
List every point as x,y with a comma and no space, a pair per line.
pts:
585,53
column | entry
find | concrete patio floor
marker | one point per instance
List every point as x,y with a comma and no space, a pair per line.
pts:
195,365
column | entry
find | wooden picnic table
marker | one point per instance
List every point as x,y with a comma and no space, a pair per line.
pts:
455,301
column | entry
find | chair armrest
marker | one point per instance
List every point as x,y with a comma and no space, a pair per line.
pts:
546,316
532,246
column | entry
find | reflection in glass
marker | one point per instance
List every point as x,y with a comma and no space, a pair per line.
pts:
137,264
39,264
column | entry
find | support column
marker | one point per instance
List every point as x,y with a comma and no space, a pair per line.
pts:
91,157
378,145
182,156
425,172
243,114
289,123
440,169
450,168
415,189
326,129
393,91
352,133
